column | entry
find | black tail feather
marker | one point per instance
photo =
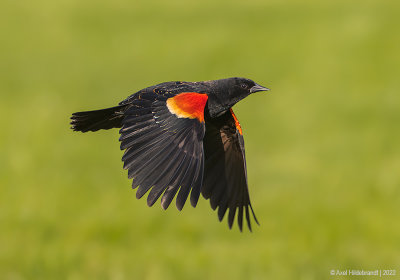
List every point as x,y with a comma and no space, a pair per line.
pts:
98,119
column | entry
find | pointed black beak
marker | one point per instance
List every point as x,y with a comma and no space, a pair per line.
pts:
257,87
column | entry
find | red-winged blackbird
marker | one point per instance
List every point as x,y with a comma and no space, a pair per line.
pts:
183,136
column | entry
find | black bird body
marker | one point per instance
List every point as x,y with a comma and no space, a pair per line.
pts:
181,138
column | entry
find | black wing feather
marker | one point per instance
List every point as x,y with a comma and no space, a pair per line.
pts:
154,165
163,153
174,184
197,180
225,172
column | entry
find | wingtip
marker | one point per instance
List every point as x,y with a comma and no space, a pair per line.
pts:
165,203
193,203
254,215
150,202
179,206
164,207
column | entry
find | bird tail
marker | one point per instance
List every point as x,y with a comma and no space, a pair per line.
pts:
98,119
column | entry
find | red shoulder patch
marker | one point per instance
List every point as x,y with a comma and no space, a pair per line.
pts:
237,124
188,105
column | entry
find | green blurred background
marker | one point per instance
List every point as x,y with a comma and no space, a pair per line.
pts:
323,147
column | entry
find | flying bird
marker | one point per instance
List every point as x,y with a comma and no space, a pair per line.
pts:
180,138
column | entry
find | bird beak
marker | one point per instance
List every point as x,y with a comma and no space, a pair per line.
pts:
257,87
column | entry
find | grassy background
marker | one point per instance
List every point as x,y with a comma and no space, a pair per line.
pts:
323,146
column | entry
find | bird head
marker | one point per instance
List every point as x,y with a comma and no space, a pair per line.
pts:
227,92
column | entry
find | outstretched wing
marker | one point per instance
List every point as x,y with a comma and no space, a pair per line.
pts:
162,137
225,175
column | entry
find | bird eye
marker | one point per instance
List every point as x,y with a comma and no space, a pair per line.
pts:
244,86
